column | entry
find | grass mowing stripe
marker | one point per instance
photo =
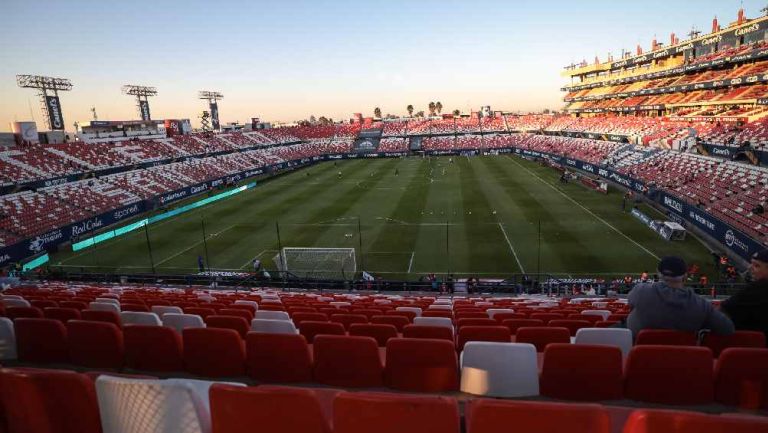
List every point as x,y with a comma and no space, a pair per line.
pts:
585,209
561,246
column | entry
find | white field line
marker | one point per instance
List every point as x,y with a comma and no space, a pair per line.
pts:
256,257
192,246
511,248
585,209
410,262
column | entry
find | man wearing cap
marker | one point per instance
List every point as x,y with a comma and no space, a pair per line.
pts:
668,304
749,307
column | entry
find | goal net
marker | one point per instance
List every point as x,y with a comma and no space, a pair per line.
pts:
327,263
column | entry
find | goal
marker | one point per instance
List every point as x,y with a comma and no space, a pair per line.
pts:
326,263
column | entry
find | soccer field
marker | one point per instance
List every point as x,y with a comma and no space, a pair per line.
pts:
492,216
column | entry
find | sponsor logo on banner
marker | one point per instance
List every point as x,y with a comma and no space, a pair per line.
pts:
748,29
5,258
720,151
86,226
734,242
120,214
173,196
54,112
587,167
40,242
701,220
199,188
216,183
674,204
54,182
570,162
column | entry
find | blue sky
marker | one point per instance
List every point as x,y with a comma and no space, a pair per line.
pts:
286,60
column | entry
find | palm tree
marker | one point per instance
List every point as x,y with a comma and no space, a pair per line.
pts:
377,113
420,113
312,119
456,112
439,107
431,107
410,110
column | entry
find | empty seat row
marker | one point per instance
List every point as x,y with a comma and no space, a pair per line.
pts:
44,401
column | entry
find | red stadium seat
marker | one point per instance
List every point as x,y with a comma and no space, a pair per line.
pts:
153,348
348,319
61,314
546,317
460,323
592,319
380,332
278,358
266,408
498,334
310,329
669,375
101,316
542,336
308,317
41,340
438,313
202,312
213,352
459,314
95,344
235,323
667,421
239,312
718,343
347,361
582,372
410,315
501,317
514,324
667,337
73,304
573,326
421,365
47,401
140,308
43,303
433,332
496,416
386,413
741,377
14,313
398,321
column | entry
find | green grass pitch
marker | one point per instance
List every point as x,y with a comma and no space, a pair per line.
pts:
475,216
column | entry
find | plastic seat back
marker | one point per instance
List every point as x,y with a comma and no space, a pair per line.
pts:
669,375
40,401
153,348
618,337
140,318
95,344
741,377
180,322
667,337
499,334
235,323
213,352
310,329
485,369
347,361
496,416
668,421
380,332
278,358
41,341
266,408
542,336
582,372
386,413
421,365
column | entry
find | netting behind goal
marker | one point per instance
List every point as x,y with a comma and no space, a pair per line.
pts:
329,263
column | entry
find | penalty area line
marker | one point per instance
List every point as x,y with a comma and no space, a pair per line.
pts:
511,248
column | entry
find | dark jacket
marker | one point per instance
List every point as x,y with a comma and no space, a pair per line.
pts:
658,306
749,307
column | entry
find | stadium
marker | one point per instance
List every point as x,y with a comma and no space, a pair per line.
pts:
484,270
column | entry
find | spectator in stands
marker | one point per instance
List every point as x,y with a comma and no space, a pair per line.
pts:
749,307
668,304
200,264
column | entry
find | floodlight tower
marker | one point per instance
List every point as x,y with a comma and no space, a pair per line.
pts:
212,98
142,94
48,90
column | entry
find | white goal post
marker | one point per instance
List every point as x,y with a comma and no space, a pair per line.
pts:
327,263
